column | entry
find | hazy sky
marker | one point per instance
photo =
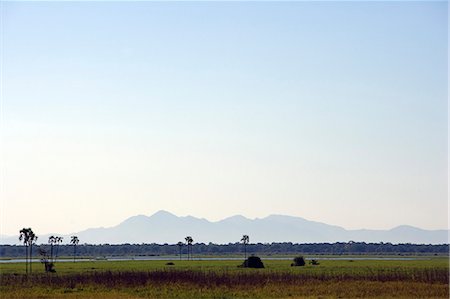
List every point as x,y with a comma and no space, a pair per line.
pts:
335,112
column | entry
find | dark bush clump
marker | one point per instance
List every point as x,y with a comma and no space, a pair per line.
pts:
253,262
298,261
314,262
170,264
49,267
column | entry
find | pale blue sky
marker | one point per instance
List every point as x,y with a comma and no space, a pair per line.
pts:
336,112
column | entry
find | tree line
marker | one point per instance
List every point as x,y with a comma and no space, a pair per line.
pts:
185,250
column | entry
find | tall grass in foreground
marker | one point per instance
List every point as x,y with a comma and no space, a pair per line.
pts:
222,278
249,283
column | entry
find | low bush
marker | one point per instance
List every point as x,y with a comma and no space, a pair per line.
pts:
314,262
299,261
253,262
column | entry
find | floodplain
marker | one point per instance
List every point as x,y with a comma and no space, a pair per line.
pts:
426,277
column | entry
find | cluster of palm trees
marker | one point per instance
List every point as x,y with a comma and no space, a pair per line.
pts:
54,241
189,240
29,238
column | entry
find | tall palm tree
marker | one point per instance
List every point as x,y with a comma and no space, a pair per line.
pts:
180,246
245,240
189,241
24,237
74,240
58,240
28,238
31,241
52,242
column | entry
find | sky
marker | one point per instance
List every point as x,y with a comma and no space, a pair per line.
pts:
332,111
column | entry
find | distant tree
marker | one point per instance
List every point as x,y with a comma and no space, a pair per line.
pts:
24,238
189,241
180,247
74,241
58,240
52,242
245,240
31,241
27,236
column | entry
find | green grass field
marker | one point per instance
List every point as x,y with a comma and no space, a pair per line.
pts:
223,279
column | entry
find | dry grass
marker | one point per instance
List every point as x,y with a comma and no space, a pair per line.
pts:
213,284
322,289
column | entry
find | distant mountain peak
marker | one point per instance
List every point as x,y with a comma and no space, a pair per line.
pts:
279,217
163,213
236,218
405,227
134,220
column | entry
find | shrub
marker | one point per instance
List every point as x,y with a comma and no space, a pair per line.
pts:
49,267
314,262
299,261
253,262
170,264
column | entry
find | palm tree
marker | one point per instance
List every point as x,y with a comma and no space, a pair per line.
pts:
245,240
180,246
25,236
32,239
52,242
74,240
58,240
28,237
189,241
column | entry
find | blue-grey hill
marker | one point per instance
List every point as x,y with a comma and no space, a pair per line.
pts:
164,227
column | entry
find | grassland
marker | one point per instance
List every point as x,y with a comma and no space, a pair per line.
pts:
223,279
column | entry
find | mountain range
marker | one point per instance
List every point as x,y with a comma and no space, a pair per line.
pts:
164,227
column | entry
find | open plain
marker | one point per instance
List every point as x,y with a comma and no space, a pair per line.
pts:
421,278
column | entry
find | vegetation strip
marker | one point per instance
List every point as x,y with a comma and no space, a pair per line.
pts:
208,278
181,249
